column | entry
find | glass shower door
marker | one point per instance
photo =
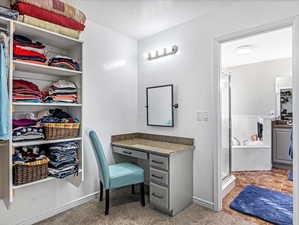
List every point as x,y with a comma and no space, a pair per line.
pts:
226,125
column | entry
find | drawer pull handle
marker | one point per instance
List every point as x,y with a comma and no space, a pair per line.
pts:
158,177
157,162
126,152
157,196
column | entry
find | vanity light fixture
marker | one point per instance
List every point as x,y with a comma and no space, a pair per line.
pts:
158,54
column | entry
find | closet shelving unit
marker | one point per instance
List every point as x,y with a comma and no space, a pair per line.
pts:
43,76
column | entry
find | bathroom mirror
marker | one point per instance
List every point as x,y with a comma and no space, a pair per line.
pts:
159,104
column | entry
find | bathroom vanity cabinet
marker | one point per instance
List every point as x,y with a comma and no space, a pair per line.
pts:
281,138
168,167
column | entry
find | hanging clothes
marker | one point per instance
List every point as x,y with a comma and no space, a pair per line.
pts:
4,100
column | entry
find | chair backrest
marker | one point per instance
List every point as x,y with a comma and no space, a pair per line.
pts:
101,159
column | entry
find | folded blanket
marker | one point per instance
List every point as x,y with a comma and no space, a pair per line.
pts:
28,48
63,65
64,84
25,41
42,14
28,101
27,133
49,26
8,13
32,45
24,84
29,58
21,52
26,92
30,61
64,62
23,122
64,146
57,7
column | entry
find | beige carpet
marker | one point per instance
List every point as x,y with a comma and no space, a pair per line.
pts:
126,210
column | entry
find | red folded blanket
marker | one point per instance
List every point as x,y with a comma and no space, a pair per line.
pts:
24,84
26,97
29,45
42,14
22,52
18,92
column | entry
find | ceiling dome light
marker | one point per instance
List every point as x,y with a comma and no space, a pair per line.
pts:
244,49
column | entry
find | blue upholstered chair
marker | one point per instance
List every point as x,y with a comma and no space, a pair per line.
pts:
117,175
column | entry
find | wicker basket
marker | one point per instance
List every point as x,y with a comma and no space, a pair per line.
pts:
30,172
55,131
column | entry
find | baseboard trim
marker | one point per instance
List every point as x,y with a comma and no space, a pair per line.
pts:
228,185
61,209
203,203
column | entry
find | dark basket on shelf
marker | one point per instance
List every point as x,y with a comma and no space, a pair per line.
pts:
30,172
55,131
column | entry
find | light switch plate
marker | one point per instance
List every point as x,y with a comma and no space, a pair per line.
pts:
202,116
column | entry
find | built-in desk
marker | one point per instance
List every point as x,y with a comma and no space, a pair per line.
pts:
168,167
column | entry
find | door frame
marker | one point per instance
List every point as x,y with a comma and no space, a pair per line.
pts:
216,104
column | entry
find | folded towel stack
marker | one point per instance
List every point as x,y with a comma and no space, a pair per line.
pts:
26,91
61,91
63,159
64,62
52,11
27,130
9,13
25,49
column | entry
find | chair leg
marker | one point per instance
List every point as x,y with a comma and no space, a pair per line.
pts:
107,202
133,189
101,191
142,194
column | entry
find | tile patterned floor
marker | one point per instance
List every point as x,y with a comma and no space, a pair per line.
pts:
276,180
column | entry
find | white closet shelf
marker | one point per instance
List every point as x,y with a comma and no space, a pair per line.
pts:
38,182
47,104
42,142
44,69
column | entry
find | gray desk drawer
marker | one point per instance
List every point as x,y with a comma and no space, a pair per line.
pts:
159,177
159,196
130,152
159,162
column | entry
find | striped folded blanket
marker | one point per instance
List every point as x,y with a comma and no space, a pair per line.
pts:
49,26
58,7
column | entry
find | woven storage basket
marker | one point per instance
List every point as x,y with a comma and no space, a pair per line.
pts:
30,172
61,130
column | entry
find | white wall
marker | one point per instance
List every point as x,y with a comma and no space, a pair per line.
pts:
110,96
253,86
191,73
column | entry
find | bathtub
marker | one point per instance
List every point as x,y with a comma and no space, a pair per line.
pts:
251,157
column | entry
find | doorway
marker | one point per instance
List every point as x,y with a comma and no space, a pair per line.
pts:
259,126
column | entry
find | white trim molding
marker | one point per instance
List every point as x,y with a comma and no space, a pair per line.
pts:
203,203
61,209
228,185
